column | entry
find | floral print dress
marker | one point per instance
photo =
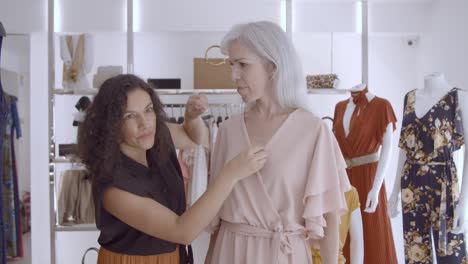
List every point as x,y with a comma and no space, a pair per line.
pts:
429,182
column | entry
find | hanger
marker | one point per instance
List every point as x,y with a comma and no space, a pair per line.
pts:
209,115
172,119
331,120
219,120
181,118
227,115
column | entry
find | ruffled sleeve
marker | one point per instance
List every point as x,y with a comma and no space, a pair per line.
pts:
387,117
403,133
458,137
218,159
326,185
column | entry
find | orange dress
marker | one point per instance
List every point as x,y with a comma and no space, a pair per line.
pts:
109,257
365,137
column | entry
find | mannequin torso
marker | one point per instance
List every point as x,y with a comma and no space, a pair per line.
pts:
351,106
385,151
435,87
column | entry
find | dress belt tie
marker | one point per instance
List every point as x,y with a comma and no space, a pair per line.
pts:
281,238
362,160
443,217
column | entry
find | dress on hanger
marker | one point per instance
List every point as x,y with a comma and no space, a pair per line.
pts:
273,216
429,184
3,118
75,203
365,137
11,244
77,55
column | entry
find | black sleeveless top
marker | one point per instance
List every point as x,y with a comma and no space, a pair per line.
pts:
160,182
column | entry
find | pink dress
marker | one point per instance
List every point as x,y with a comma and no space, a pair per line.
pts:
273,216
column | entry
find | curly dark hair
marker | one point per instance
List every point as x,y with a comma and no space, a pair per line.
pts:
100,133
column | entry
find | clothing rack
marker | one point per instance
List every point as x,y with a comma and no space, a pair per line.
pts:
210,105
223,111
93,91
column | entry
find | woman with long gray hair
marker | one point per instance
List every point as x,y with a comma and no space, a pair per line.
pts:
298,196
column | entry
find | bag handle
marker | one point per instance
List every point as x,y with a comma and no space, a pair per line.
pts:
213,63
86,252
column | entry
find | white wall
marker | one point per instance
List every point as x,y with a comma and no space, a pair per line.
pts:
201,15
90,16
398,16
23,16
444,44
40,207
324,16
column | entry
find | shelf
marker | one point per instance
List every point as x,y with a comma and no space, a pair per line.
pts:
91,91
65,160
80,92
181,31
72,228
327,91
195,91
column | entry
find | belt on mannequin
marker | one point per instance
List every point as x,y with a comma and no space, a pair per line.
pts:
362,160
430,163
443,222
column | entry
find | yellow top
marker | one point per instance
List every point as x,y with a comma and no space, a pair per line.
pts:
352,201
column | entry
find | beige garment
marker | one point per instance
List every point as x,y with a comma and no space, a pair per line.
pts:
75,204
71,72
77,54
271,217
352,201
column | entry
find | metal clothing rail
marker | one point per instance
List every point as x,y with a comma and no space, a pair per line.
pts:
178,105
93,91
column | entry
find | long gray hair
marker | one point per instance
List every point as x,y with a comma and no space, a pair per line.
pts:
270,42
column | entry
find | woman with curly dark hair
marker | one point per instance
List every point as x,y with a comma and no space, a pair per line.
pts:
138,190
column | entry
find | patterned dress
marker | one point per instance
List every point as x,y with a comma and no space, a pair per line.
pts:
429,182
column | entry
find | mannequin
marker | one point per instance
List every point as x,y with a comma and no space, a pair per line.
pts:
435,87
363,126
2,30
3,113
356,237
425,100
385,151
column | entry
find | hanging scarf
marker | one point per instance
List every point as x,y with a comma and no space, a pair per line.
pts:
70,73
361,102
